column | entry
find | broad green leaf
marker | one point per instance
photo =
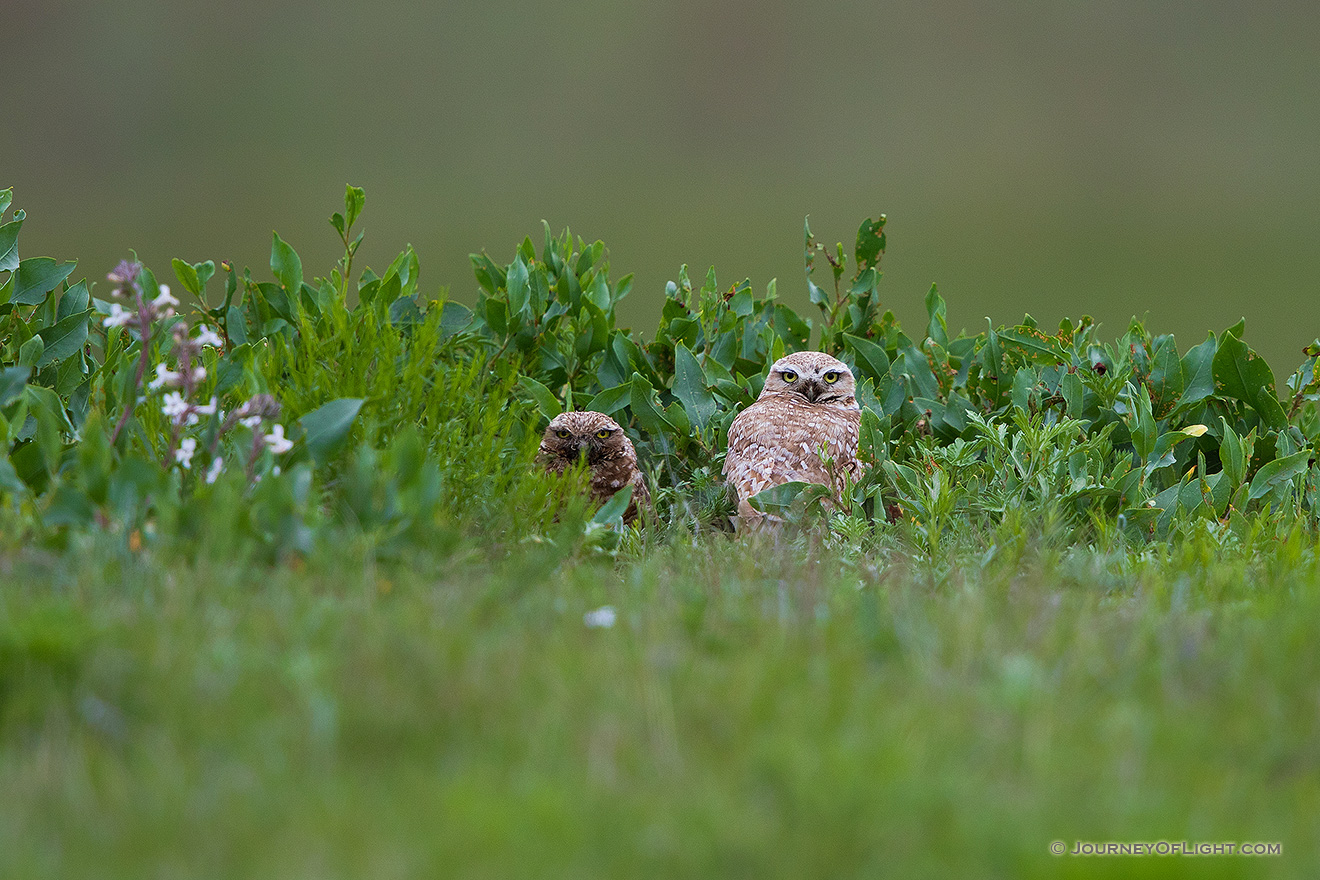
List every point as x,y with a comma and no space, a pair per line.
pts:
326,427
936,311
12,382
287,266
1243,375
9,242
870,243
1198,374
614,509
870,357
1166,377
63,339
519,292
1279,471
236,325
454,317
1232,455
31,351
541,396
354,200
75,299
187,276
6,199
611,400
1036,343
1074,394
645,410
779,498
37,277
692,388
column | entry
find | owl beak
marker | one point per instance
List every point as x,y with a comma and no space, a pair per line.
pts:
812,390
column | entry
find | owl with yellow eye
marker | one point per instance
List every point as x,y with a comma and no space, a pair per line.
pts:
808,403
574,436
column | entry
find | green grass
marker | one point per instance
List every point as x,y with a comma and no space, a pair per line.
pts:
757,711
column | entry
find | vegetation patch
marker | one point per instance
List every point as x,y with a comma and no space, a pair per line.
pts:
284,591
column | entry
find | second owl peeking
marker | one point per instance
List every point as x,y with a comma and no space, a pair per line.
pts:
808,403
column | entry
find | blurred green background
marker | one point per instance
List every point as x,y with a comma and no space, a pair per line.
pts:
1056,158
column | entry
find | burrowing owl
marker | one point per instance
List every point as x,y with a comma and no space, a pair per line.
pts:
608,451
808,401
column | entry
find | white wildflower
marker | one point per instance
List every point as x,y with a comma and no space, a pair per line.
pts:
119,316
184,454
252,422
216,467
164,299
207,336
207,410
278,443
602,618
174,405
164,376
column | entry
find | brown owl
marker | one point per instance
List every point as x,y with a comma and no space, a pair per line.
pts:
808,401
572,436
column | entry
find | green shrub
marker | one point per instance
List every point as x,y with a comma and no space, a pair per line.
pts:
320,405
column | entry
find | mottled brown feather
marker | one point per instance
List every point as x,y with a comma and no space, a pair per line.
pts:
612,459
777,439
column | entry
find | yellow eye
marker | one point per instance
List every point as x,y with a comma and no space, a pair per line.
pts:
789,376
562,434
603,433
832,376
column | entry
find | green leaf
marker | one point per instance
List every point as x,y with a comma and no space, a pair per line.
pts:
613,510
6,199
781,498
649,415
63,338
1232,455
9,242
1166,377
75,299
1278,472
518,289
870,243
236,325
541,395
871,358
287,267
354,200
12,382
37,277
453,318
31,351
1243,375
1036,343
692,388
326,427
187,276
611,400
1198,374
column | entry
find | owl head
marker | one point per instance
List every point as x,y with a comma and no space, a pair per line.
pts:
572,435
814,375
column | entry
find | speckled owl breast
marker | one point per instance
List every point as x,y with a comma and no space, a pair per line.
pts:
808,402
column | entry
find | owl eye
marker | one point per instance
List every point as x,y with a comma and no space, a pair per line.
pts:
603,433
789,376
832,376
563,434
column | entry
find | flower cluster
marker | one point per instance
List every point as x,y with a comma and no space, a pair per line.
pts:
178,387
